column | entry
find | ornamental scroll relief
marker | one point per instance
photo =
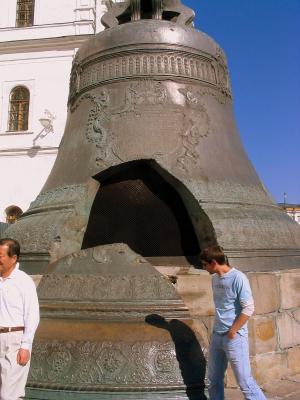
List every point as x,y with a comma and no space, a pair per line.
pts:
197,125
134,65
36,238
101,364
147,112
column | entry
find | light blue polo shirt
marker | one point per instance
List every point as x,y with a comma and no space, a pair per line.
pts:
229,290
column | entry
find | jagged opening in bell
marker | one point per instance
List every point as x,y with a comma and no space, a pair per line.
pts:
137,206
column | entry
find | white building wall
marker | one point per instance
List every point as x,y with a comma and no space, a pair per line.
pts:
55,18
8,13
25,174
54,11
45,74
29,156
295,214
40,58
45,12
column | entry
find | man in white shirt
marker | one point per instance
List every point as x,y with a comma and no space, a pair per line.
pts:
19,318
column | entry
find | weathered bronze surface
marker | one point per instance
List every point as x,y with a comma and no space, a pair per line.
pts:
112,323
151,94
151,158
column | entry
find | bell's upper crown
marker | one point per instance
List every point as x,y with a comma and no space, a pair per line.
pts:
135,10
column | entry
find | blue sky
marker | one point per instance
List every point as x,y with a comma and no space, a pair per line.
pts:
261,39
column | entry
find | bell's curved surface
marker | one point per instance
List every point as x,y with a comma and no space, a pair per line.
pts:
151,92
151,158
113,327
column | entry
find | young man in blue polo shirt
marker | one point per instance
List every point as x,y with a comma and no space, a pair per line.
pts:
234,305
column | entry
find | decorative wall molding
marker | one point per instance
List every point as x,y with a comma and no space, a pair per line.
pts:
42,44
27,151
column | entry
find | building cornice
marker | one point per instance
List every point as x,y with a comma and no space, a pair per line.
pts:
288,206
55,43
29,151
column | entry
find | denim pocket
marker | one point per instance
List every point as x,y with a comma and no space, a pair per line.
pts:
237,337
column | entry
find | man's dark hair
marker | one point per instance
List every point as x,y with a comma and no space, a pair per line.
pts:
214,253
13,246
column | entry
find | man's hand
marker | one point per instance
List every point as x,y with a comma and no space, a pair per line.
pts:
23,357
231,334
238,323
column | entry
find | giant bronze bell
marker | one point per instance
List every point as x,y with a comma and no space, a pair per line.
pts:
150,158
151,155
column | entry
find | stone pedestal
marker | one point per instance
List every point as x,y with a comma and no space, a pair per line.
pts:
274,330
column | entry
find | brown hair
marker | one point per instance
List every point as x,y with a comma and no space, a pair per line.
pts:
13,247
214,253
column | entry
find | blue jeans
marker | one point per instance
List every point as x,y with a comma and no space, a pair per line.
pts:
236,351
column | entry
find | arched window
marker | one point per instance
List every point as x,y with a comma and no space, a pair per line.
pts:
13,213
18,109
25,13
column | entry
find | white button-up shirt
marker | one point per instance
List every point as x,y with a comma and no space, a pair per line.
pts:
19,304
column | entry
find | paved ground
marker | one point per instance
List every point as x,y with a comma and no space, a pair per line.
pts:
285,389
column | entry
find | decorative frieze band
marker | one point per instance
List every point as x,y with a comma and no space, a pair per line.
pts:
147,64
103,365
99,287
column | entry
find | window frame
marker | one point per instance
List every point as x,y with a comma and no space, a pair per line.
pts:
28,13
7,87
22,108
